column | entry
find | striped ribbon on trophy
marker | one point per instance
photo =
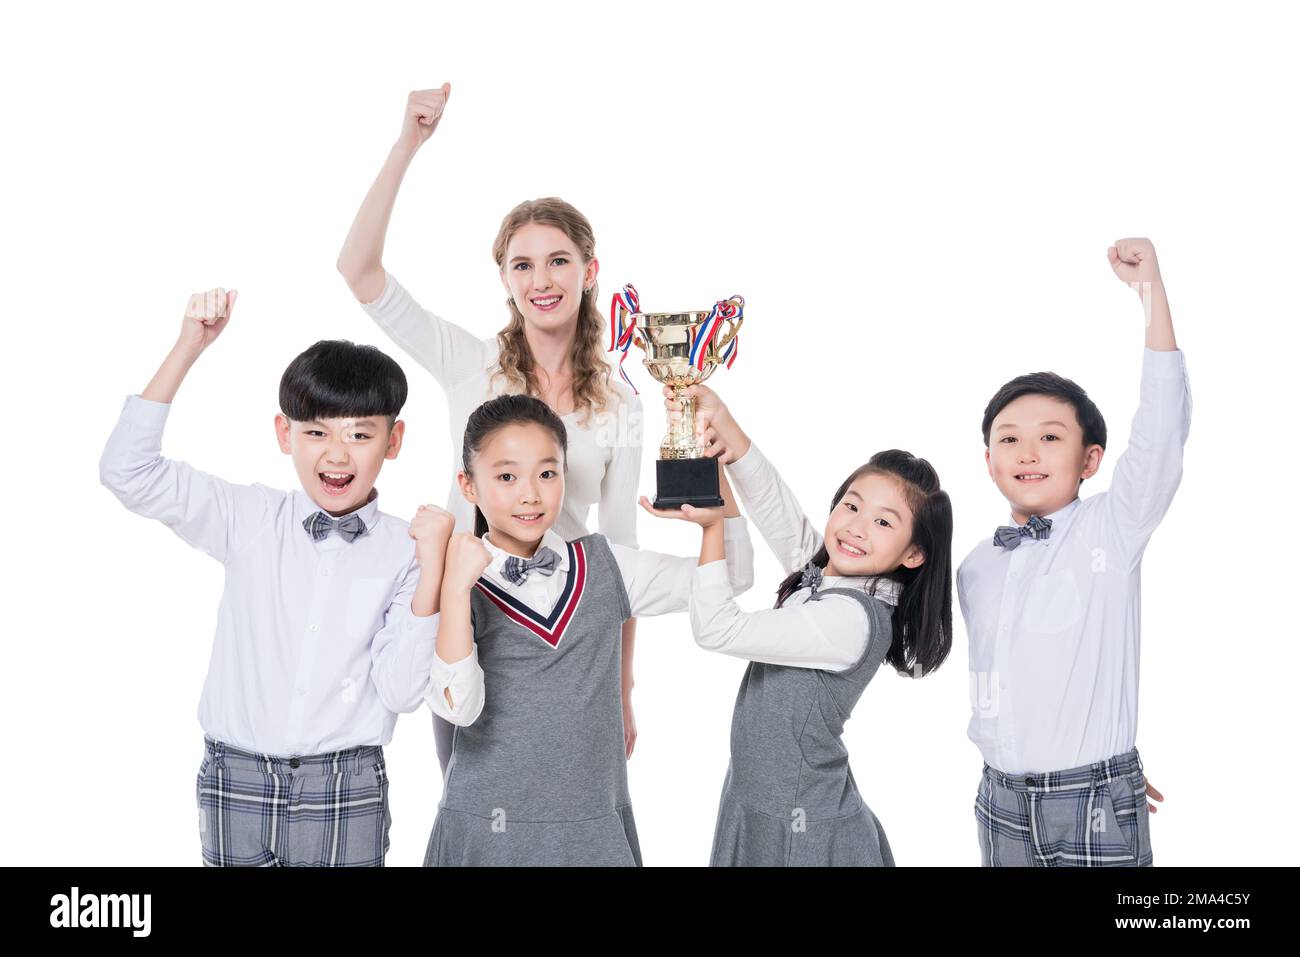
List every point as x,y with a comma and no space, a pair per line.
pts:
723,311
622,332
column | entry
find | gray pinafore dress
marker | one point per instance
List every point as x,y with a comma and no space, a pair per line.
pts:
789,799
540,778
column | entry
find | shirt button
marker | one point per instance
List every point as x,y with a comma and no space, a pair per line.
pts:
324,571
314,627
300,691
294,762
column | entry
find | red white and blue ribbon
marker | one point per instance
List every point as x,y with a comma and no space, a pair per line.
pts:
723,310
622,332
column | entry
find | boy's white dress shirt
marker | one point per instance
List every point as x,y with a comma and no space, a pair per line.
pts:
1053,624
316,648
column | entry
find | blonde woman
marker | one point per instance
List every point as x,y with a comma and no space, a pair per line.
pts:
551,347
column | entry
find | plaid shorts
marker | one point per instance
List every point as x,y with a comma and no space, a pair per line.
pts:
323,810
1091,816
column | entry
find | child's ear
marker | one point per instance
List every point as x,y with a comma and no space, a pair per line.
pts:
1092,461
593,270
395,435
282,427
466,487
988,460
914,558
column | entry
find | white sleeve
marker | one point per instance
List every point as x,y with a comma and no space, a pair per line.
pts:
774,510
451,353
213,515
464,679
617,511
659,584
829,634
401,653
1151,468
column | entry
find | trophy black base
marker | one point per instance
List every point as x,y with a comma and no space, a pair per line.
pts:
687,482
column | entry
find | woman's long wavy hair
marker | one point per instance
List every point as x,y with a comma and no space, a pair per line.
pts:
922,622
592,387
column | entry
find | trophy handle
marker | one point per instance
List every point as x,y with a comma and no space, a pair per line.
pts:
733,327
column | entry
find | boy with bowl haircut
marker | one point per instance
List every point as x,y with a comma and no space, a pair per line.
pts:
322,633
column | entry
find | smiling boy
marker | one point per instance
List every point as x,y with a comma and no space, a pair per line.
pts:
1052,605
327,623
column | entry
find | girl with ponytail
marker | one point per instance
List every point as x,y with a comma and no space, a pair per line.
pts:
874,585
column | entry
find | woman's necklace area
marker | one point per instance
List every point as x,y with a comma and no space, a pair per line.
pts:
552,395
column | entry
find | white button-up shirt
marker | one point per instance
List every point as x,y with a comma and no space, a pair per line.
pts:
316,648
656,584
829,634
603,455
1053,624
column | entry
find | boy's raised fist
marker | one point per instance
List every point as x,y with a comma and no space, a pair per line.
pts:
205,316
431,528
1134,260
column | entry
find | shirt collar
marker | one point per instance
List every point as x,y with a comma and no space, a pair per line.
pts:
550,539
304,505
887,590
1059,519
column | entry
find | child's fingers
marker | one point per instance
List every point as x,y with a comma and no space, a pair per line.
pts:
230,301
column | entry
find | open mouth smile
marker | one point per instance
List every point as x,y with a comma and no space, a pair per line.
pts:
335,483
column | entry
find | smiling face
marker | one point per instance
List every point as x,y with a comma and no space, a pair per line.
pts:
338,460
869,531
1036,455
518,484
545,275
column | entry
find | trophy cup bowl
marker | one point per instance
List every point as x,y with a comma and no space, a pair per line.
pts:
685,475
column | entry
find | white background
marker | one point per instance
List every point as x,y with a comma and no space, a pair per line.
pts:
916,203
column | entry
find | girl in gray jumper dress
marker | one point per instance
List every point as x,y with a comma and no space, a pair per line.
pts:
529,655
875,586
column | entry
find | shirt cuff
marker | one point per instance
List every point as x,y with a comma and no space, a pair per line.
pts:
449,674
415,626
145,412
460,678
712,577
385,297
748,466
734,529
1163,365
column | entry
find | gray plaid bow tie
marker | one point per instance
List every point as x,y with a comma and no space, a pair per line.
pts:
350,527
812,576
1010,536
516,569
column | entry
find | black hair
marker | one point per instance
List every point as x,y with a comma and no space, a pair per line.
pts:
337,379
496,414
1058,387
922,621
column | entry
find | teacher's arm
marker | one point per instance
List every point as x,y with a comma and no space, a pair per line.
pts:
361,259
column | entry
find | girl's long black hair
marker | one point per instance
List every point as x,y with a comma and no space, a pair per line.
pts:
922,622
496,414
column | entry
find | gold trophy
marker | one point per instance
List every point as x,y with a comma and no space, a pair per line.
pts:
681,350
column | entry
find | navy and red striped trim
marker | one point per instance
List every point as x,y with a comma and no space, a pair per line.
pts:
550,628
